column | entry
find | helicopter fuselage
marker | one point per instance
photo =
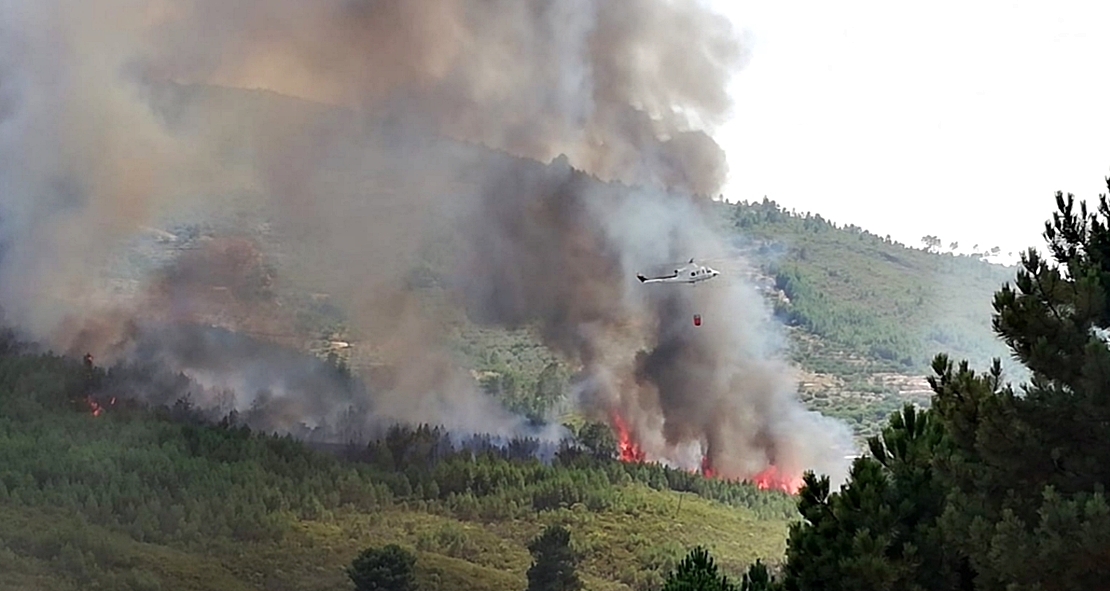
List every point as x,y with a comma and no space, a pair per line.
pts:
687,274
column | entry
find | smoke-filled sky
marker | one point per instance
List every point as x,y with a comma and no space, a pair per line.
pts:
379,129
959,119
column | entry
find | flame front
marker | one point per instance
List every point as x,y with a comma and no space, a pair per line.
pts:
769,478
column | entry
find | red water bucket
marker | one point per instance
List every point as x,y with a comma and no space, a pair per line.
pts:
697,319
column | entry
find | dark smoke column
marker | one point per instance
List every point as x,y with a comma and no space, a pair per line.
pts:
548,245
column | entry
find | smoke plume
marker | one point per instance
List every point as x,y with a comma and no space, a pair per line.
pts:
359,136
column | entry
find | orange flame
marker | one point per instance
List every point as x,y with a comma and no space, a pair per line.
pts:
770,478
95,407
627,449
706,469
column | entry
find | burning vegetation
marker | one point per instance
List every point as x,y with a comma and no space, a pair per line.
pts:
628,450
94,405
93,399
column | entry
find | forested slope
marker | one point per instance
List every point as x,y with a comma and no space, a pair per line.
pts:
140,498
890,305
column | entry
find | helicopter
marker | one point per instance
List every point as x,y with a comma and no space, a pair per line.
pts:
688,273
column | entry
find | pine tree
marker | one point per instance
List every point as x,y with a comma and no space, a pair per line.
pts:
389,568
697,572
758,578
880,531
1030,469
554,562
598,439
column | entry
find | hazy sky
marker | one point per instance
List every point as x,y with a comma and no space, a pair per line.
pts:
959,119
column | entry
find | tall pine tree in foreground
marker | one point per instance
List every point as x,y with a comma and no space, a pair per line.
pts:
881,530
1029,469
991,488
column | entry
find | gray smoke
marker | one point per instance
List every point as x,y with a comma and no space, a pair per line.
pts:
549,244
362,146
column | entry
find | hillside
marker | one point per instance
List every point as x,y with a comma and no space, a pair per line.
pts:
865,315
893,306
146,498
